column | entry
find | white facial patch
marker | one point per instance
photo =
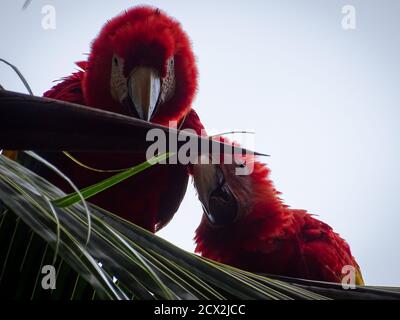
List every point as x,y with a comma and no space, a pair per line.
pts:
145,102
168,83
118,82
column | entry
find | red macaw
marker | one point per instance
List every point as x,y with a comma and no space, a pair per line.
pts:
245,224
141,64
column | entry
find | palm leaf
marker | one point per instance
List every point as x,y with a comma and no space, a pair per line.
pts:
35,123
97,254
108,183
121,260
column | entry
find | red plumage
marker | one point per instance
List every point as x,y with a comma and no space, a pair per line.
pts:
140,37
269,237
147,37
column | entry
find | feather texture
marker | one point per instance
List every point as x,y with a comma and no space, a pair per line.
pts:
273,238
142,36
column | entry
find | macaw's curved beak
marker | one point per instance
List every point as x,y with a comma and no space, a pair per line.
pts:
144,90
219,203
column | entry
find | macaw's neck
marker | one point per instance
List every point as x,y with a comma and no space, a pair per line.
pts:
267,220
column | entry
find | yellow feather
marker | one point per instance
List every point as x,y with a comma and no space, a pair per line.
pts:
11,154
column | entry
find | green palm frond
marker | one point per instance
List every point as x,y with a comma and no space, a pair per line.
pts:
96,254
121,260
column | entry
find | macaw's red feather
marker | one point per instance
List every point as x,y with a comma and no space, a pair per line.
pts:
142,37
149,199
69,88
273,238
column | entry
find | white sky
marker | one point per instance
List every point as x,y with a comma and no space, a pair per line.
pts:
323,102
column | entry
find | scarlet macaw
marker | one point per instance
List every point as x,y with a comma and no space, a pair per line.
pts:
141,64
245,224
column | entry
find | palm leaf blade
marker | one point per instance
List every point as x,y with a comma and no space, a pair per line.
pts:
121,260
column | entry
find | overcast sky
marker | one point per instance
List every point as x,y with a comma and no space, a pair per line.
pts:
323,101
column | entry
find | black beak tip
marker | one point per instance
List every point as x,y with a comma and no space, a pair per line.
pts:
222,207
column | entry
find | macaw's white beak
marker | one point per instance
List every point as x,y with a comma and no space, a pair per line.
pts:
144,90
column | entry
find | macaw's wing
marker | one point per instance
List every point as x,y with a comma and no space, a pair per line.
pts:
327,255
192,121
178,175
70,88
171,198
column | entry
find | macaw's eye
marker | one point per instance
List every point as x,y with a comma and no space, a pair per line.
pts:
116,61
241,164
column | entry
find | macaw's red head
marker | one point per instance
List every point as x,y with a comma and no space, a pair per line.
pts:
223,189
142,64
241,209
235,192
